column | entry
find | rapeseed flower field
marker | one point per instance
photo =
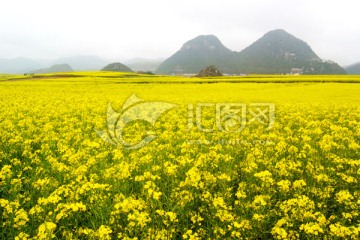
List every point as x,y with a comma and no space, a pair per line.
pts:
298,179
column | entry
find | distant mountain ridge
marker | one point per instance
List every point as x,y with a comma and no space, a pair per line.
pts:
117,67
143,64
82,62
55,68
353,69
25,65
198,53
19,65
276,52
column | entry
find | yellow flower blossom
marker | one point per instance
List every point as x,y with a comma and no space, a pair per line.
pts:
45,230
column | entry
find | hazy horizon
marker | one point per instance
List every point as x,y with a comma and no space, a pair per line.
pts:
116,30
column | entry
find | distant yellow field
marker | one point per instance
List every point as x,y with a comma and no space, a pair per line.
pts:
219,164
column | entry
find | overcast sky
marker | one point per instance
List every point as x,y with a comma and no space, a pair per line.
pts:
118,30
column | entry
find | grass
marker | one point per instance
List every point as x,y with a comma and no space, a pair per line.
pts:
125,78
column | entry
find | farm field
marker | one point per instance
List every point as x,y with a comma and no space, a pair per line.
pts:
293,175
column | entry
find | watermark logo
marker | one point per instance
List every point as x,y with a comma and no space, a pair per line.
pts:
231,117
232,142
206,117
133,109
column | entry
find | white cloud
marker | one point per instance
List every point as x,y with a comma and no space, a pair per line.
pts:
126,29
